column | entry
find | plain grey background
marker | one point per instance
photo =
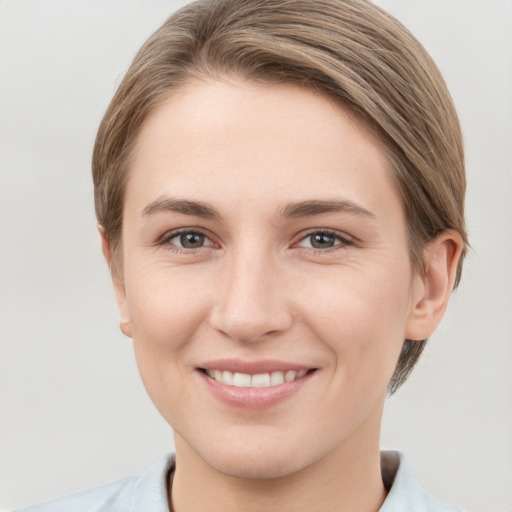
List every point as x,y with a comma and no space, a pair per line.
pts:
73,413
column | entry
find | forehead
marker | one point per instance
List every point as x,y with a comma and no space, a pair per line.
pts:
232,139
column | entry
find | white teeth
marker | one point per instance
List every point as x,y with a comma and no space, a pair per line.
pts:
276,378
260,380
242,380
290,376
227,378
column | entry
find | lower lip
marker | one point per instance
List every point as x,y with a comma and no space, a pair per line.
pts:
254,398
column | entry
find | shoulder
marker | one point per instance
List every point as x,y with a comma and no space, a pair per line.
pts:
147,491
405,491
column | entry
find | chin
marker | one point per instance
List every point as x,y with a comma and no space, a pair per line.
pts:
261,466
251,457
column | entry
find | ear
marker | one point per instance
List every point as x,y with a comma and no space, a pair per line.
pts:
118,282
432,290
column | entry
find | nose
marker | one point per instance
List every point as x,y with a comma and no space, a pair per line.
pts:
251,304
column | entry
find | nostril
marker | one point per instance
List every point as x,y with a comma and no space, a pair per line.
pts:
248,313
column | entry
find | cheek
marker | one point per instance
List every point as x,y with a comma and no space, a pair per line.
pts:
163,305
166,313
163,324
361,317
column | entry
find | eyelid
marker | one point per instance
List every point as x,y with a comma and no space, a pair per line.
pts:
169,235
343,238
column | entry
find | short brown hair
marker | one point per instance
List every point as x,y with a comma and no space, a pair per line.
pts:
352,51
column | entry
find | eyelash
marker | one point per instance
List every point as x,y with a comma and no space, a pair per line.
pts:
165,240
343,240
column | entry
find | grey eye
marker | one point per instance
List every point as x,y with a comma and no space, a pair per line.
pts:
322,240
191,240
188,240
325,240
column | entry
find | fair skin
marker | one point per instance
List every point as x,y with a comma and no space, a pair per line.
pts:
262,234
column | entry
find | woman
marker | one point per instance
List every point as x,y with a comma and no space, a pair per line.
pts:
280,193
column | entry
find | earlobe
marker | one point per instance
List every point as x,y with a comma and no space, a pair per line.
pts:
432,290
118,282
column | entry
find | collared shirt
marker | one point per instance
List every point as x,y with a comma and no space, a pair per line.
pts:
147,492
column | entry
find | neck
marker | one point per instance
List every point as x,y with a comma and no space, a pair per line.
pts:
348,478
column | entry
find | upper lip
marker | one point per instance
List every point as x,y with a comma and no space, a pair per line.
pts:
253,367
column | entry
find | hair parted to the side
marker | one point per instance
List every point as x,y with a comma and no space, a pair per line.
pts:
350,50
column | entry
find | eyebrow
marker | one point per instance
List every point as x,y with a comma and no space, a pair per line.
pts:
183,206
293,210
317,207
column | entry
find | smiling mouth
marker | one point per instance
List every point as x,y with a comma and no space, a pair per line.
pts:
259,380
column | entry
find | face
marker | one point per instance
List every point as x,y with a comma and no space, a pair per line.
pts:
266,280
